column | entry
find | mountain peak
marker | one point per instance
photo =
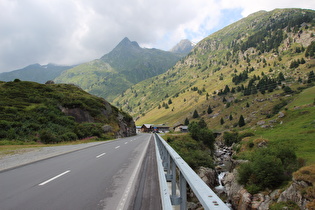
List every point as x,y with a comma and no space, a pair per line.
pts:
183,47
126,43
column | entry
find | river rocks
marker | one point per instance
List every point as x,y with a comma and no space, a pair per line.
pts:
209,176
241,199
245,200
293,193
232,188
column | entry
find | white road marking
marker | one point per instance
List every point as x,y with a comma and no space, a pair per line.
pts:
126,142
49,180
100,155
117,147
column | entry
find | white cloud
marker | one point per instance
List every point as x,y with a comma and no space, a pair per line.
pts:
73,31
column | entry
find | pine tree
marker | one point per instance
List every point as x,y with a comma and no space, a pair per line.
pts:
231,117
226,89
209,111
311,77
170,101
241,121
281,77
221,121
186,121
195,115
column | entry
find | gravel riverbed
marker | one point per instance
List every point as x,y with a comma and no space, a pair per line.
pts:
29,155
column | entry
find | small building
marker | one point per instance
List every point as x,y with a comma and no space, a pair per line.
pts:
161,128
181,128
146,128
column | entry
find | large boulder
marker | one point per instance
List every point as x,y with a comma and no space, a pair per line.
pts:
209,176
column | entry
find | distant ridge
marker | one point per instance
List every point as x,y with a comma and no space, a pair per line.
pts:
35,72
126,65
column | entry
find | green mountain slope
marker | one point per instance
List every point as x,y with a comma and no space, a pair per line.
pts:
254,67
217,59
36,73
57,112
125,65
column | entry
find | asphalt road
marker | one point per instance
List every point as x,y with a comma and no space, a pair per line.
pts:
98,177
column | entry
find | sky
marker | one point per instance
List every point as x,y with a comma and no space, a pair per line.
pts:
67,32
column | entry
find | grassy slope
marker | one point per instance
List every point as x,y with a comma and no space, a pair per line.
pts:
200,69
297,128
95,77
27,109
143,99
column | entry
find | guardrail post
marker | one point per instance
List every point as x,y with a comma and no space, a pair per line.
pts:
183,192
173,178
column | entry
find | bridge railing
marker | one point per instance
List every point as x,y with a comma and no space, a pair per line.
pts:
171,166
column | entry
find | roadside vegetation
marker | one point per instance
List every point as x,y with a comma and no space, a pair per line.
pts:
32,113
196,147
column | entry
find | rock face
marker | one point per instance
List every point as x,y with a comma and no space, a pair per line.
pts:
126,125
293,193
79,115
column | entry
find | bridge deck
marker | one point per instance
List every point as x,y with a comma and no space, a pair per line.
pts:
147,190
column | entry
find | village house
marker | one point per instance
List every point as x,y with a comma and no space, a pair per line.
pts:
147,128
161,128
181,128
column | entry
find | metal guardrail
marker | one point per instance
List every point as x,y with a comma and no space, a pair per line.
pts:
169,164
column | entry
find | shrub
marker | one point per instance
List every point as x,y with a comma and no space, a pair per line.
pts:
278,107
69,136
230,138
5,125
243,135
192,151
206,136
287,90
84,130
268,168
200,132
46,136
